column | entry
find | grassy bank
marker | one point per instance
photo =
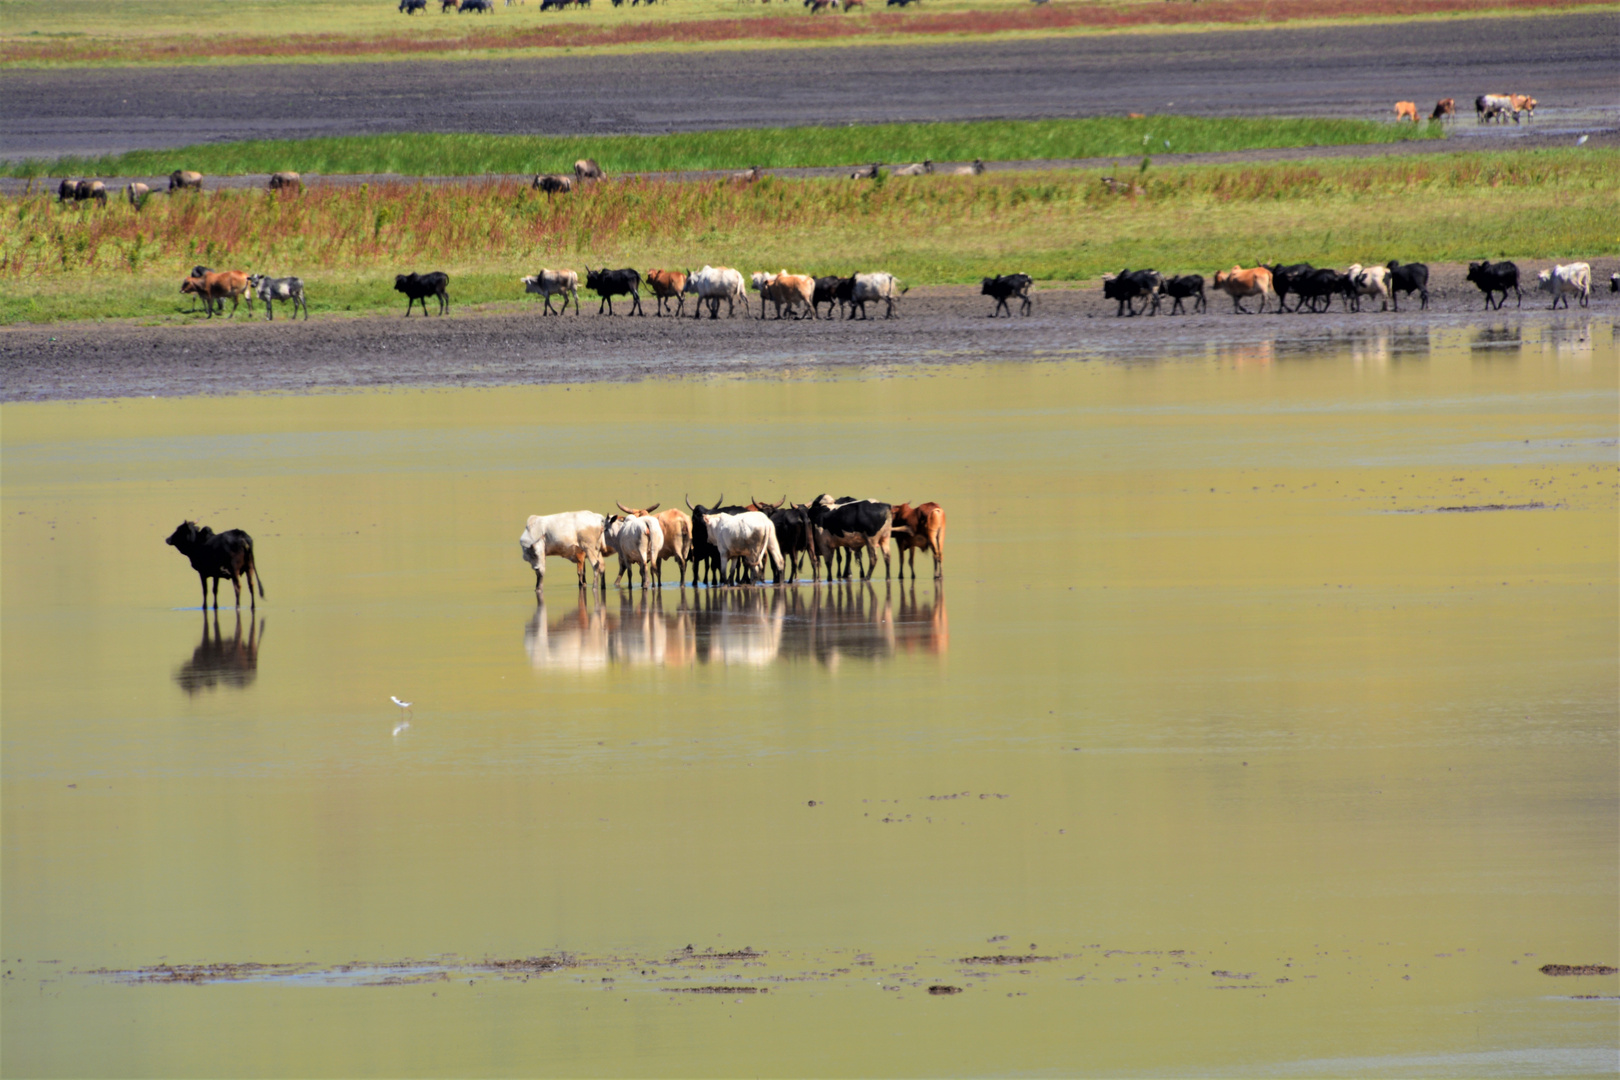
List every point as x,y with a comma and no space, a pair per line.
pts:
91,32
476,155
347,243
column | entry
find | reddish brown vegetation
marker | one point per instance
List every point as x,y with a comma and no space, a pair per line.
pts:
1012,20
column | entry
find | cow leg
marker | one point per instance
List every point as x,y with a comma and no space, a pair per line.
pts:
203,580
635,305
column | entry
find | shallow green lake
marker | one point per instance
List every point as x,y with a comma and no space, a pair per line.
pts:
1261,755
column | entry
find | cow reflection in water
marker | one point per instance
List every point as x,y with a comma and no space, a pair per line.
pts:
217,662
750,627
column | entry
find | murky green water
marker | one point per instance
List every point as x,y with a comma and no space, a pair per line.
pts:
1274,768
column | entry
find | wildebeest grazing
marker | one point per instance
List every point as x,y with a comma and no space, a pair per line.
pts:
1005,287
286,181
184,180
553,184
1127,285
588,169
1184,287
219,555
1494,278
549,283
421,286
1408,278
1563,281
610,283
289,290
137,193
1239,283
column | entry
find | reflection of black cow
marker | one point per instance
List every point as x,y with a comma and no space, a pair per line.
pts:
1128,285
223,555
421,286
1496,278
1408,278
1003,288
217,662
610,283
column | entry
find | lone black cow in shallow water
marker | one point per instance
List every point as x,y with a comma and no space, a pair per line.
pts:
218,555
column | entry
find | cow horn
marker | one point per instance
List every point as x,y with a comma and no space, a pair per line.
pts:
689,505
651,508
623,507
721,501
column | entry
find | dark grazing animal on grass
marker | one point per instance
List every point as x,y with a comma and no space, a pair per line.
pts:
218,555
421,286
1005,287
1496,278
411,7
827,293
610,283
1317,289
1184,287
1128,285
553,184
1408,278
1282,281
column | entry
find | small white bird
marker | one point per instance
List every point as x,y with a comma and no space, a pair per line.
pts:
401,727
396,701
1582,140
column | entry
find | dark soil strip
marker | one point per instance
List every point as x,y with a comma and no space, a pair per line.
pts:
1578,969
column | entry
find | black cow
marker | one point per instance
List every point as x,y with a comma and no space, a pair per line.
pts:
410,7
1184,287
610,283
421,286
1317,289
1496,277
853,523
796,536
844,293
1130,284
827,293
1003,288
218,555
477,5
1408,278
1282,283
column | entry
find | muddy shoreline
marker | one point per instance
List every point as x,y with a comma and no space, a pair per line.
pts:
512,344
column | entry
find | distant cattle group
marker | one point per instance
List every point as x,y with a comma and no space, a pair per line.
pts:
736,544
1487,108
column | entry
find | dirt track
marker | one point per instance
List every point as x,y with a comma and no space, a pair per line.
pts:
1567,61
516,345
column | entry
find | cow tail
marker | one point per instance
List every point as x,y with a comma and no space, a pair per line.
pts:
253,566
774,550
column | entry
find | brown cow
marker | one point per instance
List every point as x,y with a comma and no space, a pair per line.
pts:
677,538
1445,107
786,290
1523,103
924,530
1406,110
1239,283
217,288
666,284
185,178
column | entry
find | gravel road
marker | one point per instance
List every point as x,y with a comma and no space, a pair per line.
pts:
1569,62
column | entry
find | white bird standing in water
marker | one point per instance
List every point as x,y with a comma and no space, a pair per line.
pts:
402,704
403,725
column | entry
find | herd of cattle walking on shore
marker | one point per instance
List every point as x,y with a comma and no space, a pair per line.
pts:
719,544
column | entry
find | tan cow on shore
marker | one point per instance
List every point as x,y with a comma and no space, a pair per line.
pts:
216,288
1239,283
1406,110
668,285
785,290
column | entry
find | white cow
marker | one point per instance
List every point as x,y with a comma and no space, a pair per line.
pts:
714,284
575,536
637,541
1560,281
549,283
1369,281
748,536
677,528
875,287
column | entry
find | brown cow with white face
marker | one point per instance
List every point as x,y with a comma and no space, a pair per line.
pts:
920,528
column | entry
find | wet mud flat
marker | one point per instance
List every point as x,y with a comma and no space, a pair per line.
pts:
515,345
1567,61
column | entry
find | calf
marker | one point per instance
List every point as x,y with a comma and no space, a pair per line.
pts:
287,289
922,168
1186,286
1408,278
924,530
1003,288
974,169
1561,281
1239,283
1494,278
668,285
1127,285
549,283
219,555
1522,103
610,283
421,286
868,173
185,179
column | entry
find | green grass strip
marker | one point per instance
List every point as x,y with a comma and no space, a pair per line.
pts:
472,155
